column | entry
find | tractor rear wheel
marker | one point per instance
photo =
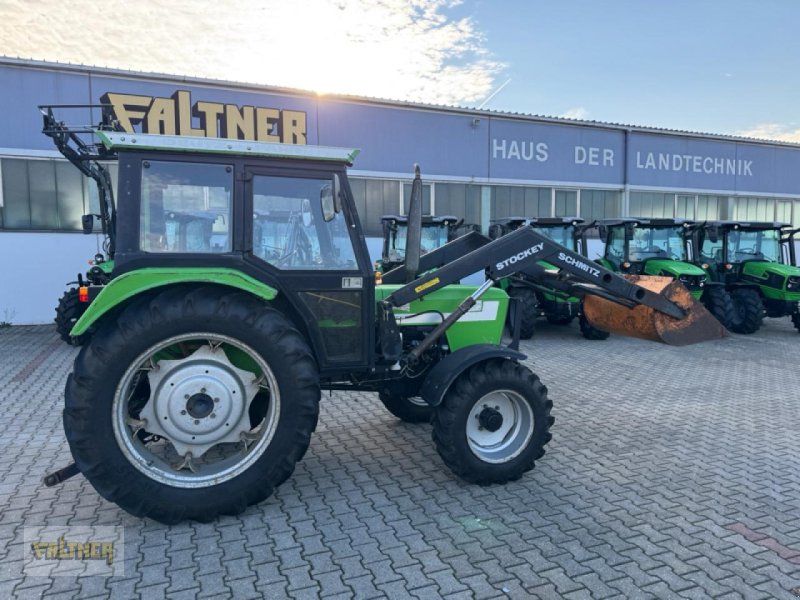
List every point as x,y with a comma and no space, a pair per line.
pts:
409,410
589,331
748,310
193,403
528,305
720,304
68,311
493,422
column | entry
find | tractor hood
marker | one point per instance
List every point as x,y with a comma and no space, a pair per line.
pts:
764,269
675,268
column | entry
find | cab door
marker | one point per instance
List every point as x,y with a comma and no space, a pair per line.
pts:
316,255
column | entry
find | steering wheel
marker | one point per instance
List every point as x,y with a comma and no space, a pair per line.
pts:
654,250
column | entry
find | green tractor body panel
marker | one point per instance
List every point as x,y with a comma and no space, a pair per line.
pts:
106,266
772,278
554,295
676,269
483,324
606,264
128,285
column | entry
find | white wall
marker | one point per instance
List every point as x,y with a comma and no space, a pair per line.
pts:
34,271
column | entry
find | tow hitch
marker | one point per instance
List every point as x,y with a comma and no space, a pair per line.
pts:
61,475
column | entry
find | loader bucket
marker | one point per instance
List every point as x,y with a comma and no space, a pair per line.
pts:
649,324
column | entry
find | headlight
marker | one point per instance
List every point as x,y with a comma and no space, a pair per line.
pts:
793,284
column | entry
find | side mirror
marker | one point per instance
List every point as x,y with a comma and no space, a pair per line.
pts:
602,231
306,213
326,203
495,231
87,223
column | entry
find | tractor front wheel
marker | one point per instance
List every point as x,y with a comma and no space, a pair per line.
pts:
68,311
748,310
589,331
493,422
409,410
720,304
796,320
527,304
193,403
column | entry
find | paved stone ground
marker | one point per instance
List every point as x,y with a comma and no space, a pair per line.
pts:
673,472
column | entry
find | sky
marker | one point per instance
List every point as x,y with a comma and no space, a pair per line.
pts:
717,66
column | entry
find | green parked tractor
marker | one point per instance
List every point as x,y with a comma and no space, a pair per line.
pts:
756,264
639,246
436,232
535,298
199,390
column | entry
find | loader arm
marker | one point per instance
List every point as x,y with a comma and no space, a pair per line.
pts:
520,252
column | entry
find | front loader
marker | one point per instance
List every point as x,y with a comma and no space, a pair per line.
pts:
199,390
756,264
534,298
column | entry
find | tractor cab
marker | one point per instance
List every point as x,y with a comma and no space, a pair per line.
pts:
756,263
640,246
566,231
436,232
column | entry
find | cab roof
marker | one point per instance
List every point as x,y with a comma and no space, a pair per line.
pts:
646,222
757,225
426,219
114,140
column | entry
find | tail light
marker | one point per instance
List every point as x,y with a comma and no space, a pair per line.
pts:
83,294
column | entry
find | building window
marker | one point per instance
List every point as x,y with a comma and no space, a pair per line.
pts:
651,204
46,195
708,208
460,200
754,209
375,198
566,203
518,201
600,204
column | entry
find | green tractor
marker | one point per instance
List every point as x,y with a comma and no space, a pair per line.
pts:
756,264
436,232
534,297
199,390
659,247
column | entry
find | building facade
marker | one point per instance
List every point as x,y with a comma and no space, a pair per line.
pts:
479,165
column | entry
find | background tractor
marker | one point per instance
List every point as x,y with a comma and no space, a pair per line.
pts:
534,298
755,263
659,247
436,232
199,390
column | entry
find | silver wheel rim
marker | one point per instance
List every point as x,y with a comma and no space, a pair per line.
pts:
512,436
198,408
416,401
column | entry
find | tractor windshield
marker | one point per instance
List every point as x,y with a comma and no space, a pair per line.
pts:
560,235
661,242
754,245
433,236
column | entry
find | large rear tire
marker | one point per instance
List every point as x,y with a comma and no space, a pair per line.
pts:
191,404
493,422
748,311
68,311
526,303
409,410
720,304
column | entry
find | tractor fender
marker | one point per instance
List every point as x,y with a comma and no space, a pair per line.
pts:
445,372
129,285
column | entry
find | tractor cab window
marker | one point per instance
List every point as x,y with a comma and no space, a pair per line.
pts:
289,230
185,207
711,251
615,249
754,245
432,237
662,242
560,235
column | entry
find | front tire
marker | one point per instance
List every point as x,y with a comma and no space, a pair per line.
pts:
528,305
68,311
589,331
256,381
493,422
720,304
796,320
408,410
748,311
